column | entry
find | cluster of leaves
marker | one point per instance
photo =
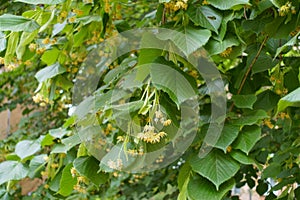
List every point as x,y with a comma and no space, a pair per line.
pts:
254,44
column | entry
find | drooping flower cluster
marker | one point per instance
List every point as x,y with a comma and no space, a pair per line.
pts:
150,136
115,165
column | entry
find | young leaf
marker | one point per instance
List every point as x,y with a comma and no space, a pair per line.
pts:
16,23
216,167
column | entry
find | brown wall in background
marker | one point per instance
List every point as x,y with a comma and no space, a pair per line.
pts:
14,118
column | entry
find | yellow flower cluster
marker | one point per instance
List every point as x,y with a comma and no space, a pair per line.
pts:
107,6
38,98
226,53
159,117
11,67
177,5
268,123
109,129
134,152
283,115
204,2
150,136
286,8
78,12
41,50
115,165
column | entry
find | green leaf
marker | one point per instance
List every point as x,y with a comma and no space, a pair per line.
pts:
11,47
27,148
242,158
16,23
271,171
50,56
148,55
36,165
200,188
266,100
228,135
67,144
89,167
67,181
247,138
292,99
216,167
244,101
36,2
251,117
172,82
206,17
49,72
2,41
290,43
215,47
47,140
187,39
226,5
278,3
59,132
26,38
12,170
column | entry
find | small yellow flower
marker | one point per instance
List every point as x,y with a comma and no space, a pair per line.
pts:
1,61
204,2
120,139
46,186
72,19
37,98
46,41
54,165
228,149
41,50
64,14
78,12
11,67
46,158
226,53
27,62
32,47
268,123
167,122
73,172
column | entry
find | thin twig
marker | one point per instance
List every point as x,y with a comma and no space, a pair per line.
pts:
249,69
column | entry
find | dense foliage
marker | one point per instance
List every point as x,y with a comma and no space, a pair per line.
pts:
44,49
